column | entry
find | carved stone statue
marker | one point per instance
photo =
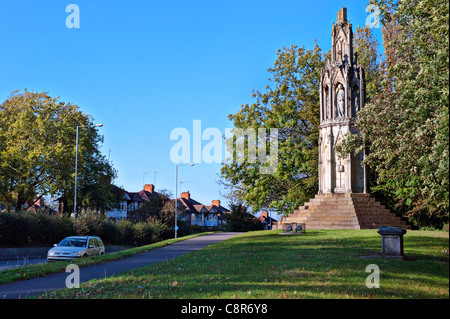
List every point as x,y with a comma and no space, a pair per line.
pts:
340,101
356,105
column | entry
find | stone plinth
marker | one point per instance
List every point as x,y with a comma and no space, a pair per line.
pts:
391,241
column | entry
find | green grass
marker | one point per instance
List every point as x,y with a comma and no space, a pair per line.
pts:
33,271
317,264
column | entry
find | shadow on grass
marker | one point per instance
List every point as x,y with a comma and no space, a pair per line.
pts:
318,264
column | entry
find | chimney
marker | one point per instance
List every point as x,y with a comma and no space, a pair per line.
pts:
216,202
264,214
186,195
149,188
342,15
39,202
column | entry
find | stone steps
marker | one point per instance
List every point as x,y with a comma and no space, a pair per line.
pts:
344,211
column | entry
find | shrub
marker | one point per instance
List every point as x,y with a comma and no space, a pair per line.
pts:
12,230
159,230
126,232
21,229
143,233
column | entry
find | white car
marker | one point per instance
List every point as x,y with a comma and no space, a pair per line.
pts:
76,247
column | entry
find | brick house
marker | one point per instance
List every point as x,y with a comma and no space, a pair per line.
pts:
196,213
132,201
268,222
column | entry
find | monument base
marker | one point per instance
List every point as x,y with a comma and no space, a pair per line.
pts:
343,211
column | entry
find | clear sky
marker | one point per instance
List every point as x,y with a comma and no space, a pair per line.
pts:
143,68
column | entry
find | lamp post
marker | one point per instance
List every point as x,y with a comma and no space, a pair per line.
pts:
176,195
76,174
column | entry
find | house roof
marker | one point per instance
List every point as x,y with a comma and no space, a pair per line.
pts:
192,206
141,196
134,196
267,220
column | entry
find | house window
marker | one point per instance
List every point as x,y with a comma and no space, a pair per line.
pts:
123,206
192,217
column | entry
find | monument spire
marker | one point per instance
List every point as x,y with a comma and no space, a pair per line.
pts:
343,200
342,16
342,39
342,90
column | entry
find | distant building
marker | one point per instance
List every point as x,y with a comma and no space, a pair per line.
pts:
131,202
196,213
208,216
39,205
267,221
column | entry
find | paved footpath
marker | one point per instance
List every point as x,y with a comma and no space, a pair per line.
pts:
25,288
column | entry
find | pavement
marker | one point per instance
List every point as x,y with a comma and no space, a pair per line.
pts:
37,286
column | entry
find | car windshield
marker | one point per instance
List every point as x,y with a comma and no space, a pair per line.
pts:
73,242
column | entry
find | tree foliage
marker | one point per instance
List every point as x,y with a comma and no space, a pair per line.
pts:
406,123
240,220
37,153
292,106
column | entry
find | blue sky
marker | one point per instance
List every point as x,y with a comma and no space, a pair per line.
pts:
143,68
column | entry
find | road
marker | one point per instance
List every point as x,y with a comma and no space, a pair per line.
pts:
21,261
26,288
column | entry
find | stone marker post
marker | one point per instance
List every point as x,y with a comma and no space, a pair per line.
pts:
391,241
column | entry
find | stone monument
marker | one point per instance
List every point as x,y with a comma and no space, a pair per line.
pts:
343,200
341,86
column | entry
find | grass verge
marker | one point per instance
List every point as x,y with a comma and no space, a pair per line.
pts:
318,264
33,271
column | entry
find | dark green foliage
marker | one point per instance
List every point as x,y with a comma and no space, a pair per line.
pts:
291,105
37,154
406,123
24,229
239,220
32,229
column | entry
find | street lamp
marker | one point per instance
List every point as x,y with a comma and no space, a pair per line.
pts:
76,173
176,195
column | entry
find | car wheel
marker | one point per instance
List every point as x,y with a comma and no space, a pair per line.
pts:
84,256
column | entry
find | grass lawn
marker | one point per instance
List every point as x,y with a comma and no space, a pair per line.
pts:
264,264
33,271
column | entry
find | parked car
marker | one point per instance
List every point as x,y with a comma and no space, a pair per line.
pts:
76,247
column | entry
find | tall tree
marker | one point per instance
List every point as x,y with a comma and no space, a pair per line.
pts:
292,106
365,45
406,124
37,150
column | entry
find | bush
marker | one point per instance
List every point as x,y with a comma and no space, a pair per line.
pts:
239,220
12,230
44,229
160,231
32,229
126,233
143,233
21,229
